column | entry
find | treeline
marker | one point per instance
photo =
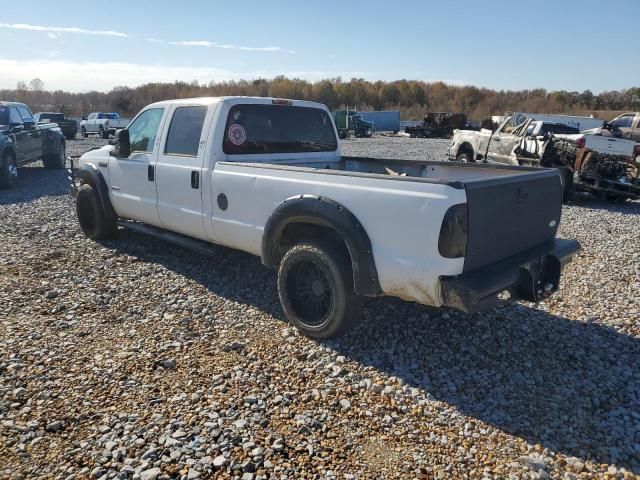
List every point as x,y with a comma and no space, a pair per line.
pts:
411,97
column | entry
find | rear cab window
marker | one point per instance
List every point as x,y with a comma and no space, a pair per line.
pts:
25,113
265,128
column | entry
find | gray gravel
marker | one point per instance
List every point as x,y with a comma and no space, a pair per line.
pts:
134,359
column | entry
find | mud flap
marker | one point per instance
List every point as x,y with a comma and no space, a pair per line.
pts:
539,279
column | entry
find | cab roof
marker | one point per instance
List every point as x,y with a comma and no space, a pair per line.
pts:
235,99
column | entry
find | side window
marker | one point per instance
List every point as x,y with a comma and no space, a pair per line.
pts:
25,113
185,131
92,116
15,116
623,122
143,130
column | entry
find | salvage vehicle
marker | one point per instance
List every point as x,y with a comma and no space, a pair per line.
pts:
438,125
352,123
626,126
102,123
501,144
68,126
544,144
23,141
266,176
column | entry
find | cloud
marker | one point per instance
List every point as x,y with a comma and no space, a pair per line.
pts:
52,35
86,76
54,30
208,44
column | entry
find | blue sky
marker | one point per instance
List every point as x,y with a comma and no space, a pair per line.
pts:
572,45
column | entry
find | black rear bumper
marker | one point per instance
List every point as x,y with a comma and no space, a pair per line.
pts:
531,275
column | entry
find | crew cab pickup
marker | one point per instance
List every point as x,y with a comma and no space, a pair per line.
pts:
23,141
266,176
102,123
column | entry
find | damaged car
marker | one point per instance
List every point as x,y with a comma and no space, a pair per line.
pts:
604,166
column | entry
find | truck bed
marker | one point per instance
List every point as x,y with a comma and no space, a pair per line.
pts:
510,209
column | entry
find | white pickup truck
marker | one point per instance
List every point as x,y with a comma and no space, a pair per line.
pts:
102,124
266,176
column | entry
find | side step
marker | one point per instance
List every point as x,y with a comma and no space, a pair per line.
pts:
199,246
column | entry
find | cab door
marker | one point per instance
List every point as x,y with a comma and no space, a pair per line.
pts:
179,171
20,136
624,124
502,144
635,134
132,181
33,137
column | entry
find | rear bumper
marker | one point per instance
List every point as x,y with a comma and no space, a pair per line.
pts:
531,275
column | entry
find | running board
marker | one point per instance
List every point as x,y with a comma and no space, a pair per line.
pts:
189,243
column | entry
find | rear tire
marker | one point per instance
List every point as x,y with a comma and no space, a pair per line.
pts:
8,171
84,133
104,133
56,160
71,136
568,190
315,284
464,157
93,221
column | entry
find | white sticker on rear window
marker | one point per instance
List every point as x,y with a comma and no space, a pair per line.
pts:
237,134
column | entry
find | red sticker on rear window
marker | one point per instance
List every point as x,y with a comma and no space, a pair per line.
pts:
237,134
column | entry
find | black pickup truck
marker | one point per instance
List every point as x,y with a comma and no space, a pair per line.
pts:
23,141
68,126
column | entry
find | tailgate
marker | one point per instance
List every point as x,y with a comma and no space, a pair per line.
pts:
510,214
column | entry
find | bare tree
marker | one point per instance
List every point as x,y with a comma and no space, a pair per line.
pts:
36,85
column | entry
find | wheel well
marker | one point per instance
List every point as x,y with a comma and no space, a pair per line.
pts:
9,150
465,148
297,232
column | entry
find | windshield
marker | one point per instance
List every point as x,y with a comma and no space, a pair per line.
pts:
54,117
4,115
255,129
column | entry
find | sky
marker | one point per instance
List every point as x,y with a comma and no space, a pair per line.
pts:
557,45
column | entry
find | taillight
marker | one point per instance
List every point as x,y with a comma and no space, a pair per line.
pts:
452,242
281,101
581,142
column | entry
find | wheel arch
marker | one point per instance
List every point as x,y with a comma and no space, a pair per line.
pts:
466,147
300,217
89,174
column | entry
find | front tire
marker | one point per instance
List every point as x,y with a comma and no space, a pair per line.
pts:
315,285
8,171
91,216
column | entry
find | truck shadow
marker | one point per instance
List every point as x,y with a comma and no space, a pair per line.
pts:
571,386
36,182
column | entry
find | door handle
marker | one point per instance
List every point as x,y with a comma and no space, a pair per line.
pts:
496,139
151,173
195,179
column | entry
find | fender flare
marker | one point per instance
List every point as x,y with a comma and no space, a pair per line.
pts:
8,146
88,173
324,212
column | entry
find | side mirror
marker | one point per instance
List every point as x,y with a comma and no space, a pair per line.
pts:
84,118
16,127
124,144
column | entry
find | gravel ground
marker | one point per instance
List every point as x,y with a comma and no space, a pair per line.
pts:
134,359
